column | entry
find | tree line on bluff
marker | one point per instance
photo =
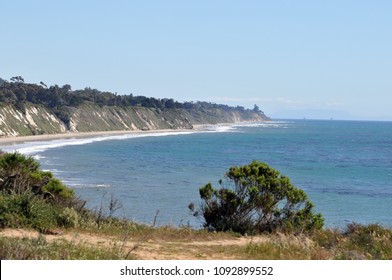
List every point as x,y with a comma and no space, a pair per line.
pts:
60,99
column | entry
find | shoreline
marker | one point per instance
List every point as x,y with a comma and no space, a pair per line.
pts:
11,140
6,141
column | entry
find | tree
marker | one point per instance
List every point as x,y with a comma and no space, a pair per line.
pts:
7,96
17,79
258,199
169,103
66,88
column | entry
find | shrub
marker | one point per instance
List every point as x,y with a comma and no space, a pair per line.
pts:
371,241
26,210
69,217
15,170
57,189
20,173
32,197
258,199
11,163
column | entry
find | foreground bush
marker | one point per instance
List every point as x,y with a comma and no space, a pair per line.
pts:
257,199
30,197
26,210
20,174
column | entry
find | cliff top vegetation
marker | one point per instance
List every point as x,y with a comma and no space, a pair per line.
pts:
17,92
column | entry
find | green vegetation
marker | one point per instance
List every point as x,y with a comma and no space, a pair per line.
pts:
62,100
258,199
34,206
357,242
34,109
30,197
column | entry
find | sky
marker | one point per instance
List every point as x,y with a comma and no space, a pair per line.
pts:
294,59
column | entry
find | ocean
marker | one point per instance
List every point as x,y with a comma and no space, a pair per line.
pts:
345,167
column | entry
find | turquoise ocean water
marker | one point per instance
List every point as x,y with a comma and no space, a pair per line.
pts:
345,167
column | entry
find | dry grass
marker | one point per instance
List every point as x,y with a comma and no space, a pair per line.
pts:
39,248
143,242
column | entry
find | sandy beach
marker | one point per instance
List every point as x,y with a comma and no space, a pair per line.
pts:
69,135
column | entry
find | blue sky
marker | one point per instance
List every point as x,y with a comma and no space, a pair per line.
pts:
314,59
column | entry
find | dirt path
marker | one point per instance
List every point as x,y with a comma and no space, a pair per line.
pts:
147,249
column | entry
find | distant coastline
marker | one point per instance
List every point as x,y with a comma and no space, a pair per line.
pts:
40,110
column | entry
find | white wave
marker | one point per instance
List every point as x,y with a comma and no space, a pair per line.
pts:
90,186
39,157
31,148
224,128
56,171
235,127
218,128
280,124
103,186
37,147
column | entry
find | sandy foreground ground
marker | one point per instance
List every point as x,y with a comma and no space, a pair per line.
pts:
68,135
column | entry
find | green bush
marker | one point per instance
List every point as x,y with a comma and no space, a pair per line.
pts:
258,199
20,173
57,189
26,210
15,170
69,217
30,197
12,163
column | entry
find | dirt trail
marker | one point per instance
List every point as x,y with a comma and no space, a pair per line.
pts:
147,249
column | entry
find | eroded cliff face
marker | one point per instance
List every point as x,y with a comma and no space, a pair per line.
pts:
89,117
95,118
36,120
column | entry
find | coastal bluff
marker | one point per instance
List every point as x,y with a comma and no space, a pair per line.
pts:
37,119
36,109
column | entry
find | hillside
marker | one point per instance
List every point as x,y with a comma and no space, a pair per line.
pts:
30,109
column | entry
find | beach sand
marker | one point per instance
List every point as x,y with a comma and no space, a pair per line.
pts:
69,135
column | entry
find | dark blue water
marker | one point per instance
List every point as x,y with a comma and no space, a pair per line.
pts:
344,167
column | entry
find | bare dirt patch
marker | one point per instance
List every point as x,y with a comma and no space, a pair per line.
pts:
147,249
